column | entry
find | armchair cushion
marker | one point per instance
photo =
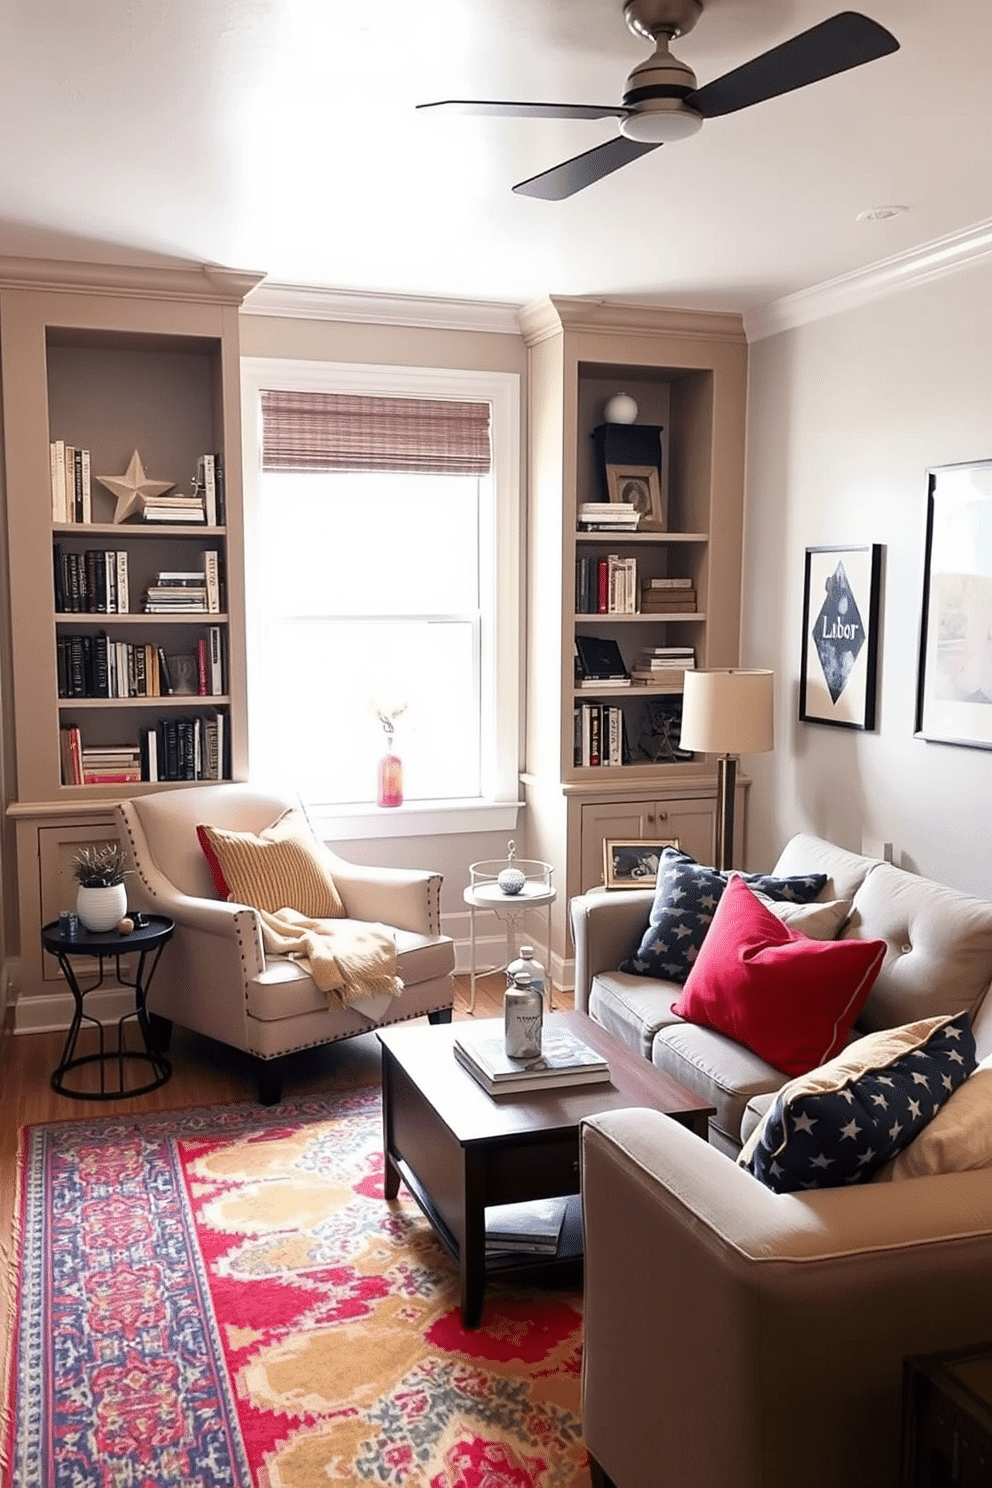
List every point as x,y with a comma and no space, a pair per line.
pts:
838,1124
281,867
685,901
790,999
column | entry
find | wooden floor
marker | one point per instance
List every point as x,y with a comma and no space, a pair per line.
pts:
204,1074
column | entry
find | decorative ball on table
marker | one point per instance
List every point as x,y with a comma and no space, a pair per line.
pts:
510,880
621,409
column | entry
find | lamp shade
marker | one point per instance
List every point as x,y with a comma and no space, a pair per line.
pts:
728,712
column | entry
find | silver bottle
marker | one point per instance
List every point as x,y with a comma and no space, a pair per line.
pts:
527,961
523,1011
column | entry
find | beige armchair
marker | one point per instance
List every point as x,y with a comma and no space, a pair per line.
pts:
217,978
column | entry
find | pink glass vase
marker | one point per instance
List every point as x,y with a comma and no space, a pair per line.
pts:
390,780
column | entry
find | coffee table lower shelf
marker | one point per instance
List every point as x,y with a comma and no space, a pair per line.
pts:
570,1241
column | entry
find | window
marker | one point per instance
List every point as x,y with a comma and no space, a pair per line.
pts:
383,581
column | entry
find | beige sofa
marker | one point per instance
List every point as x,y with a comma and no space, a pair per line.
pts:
217,978
762,1342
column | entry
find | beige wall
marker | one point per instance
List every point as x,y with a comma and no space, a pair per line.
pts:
845,416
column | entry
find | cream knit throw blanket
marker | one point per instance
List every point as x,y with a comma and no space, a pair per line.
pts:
348,959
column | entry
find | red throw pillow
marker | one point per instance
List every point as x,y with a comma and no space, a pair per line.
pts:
213,863
787,998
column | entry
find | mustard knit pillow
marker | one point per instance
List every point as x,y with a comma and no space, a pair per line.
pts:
281,867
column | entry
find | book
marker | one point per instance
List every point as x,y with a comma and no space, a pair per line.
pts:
534,1225
526,1082
216,661
599,656
563,1054
211,574
666,583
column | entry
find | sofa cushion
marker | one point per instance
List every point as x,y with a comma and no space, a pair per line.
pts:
717,1069
837,1124
957,1140
281,867
632,1008
940,947
845,871
820,920
685,900
790,999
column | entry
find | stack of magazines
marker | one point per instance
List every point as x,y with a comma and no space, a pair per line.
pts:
564,1060
534,1226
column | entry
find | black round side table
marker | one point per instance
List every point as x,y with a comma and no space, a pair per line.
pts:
147,940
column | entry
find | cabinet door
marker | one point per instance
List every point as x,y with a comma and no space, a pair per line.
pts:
691,822
617,821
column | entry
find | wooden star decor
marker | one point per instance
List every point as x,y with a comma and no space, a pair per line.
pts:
132,487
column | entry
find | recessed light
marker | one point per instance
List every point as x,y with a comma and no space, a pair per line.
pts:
878,214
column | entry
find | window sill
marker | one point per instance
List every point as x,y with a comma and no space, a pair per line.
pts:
416,819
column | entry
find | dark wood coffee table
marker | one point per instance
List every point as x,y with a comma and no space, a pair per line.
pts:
459,1149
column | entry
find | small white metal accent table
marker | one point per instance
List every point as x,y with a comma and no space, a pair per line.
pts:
484,893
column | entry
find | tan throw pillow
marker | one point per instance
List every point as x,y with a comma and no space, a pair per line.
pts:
281,867
958,1138
821,920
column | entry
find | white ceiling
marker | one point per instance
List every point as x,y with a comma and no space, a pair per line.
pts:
280,135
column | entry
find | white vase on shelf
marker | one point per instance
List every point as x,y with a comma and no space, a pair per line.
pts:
101,908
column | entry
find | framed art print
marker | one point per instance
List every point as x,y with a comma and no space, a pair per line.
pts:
954,689
640,485
837,676
633,865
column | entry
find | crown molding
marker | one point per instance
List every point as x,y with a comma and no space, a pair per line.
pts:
303,302
549,316
171,282
907,270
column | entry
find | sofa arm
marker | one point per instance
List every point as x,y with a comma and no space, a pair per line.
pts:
762,1341
606,928
405,898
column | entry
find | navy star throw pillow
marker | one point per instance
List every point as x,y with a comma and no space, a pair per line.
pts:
840,1123
685,899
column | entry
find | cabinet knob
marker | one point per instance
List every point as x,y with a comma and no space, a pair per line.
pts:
662,815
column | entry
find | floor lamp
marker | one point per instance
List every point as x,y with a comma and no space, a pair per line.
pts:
727,713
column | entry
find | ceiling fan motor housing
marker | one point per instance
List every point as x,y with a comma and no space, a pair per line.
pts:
654,94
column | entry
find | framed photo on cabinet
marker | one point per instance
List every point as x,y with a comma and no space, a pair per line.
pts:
837,675
633,865
954,690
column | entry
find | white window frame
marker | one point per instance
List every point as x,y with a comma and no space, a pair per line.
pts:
501,597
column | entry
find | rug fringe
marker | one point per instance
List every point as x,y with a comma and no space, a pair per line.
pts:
10,1255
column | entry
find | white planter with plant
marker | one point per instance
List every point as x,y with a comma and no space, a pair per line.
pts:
101,899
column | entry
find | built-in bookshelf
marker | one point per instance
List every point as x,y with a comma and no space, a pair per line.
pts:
121,404
668,597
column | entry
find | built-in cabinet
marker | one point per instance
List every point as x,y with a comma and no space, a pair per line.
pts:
686,371
113,362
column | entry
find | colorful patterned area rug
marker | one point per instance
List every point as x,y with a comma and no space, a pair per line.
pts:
224,1297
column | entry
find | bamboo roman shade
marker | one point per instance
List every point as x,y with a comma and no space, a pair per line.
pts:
342,431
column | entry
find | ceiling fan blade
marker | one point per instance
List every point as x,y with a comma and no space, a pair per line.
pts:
572,175
844,41
529,110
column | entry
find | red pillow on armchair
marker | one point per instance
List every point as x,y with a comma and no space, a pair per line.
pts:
785,997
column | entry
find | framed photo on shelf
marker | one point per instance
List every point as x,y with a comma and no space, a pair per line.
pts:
633,865
640,485
954,688
837,674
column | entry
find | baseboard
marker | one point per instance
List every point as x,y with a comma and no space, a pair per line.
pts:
53,1011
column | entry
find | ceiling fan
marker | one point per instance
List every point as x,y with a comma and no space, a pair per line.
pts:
662,104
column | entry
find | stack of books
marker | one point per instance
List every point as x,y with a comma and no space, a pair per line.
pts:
668,596
608,516
186,591
515,1228
662,666
173,508
564,1060
208,487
